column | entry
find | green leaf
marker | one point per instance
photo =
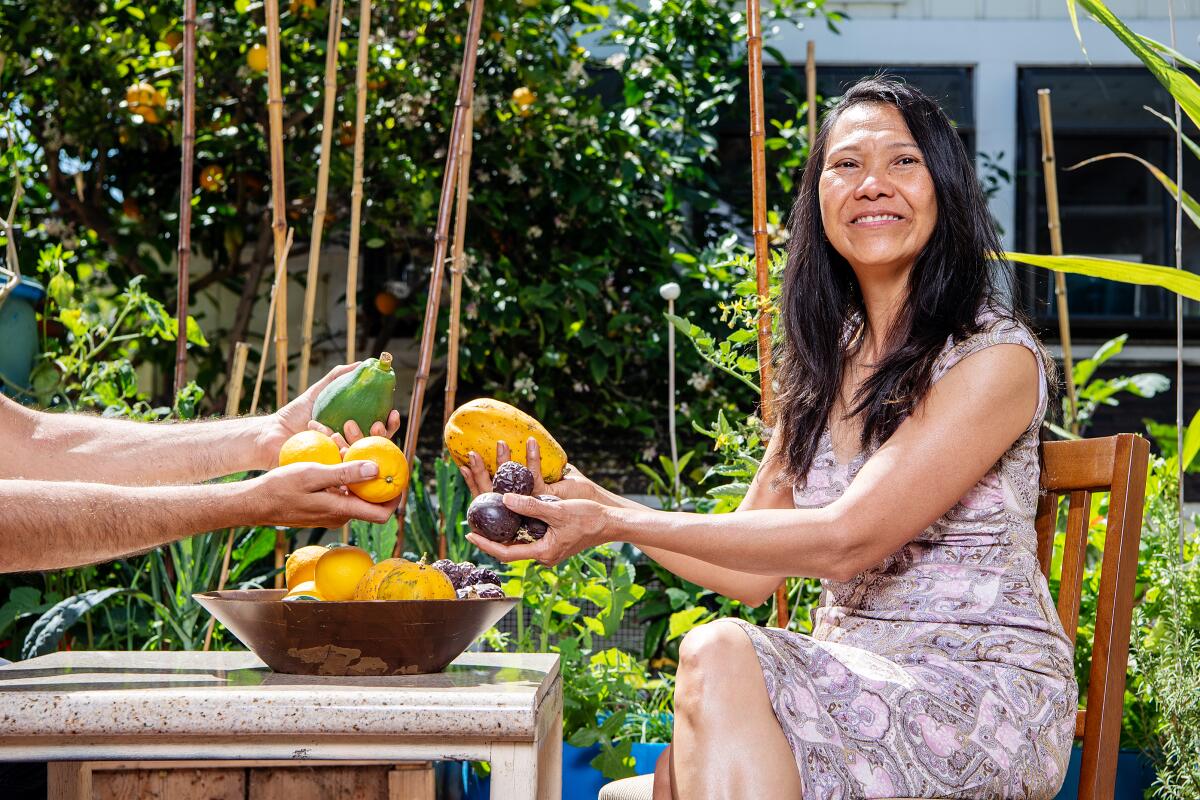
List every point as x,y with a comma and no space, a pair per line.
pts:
1195,148
22,601
1191,441
616,762
194,334
45,634
747,364
600,12
564,607
1179,281
1178,83
683,621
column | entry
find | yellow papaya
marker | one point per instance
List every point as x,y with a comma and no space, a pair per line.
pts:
479,424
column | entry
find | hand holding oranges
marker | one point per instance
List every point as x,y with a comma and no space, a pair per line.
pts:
389,483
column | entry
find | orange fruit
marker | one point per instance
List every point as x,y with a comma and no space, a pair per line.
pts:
212,178
131,209
393,469
303,7
346,134
523,96
256,58
172,39
143,99
310,446
301,566
386,303
306,590
368,587
340,570
416,582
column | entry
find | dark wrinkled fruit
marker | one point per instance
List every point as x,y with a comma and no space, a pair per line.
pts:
534,527
488,516
512,478
454,572
484,591
481,575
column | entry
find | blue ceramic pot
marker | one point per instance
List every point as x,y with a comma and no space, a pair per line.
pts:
18,332
1135,774
580,781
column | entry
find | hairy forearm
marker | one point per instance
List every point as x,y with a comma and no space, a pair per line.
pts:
86,448
51,525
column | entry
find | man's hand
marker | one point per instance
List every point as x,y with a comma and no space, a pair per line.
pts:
315,496
573,486
296,416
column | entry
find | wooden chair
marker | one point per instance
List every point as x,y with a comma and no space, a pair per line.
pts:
1078,469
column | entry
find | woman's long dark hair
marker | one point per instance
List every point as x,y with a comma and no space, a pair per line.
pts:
952,278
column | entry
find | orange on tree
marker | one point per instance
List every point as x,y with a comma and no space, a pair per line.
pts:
144,100
301,566
212,178
302,7
130,209
256,58
340,570
523,96
393,469
386,303
346,134
172,39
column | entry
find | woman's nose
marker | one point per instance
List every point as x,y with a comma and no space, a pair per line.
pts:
873,186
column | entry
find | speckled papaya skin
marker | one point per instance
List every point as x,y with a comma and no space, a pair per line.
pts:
479,424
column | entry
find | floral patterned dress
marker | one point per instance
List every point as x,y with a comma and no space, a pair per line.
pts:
943,671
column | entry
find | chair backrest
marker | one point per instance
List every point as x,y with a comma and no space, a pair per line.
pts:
1116,464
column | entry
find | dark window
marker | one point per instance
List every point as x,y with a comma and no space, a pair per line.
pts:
1114,208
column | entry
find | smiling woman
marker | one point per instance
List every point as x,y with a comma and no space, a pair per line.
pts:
903,472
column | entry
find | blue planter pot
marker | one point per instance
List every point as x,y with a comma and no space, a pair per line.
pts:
1135,774
580,781
18,331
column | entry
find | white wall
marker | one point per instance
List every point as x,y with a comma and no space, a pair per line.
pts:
1004,9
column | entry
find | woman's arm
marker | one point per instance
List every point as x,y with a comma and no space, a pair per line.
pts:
962,428
749,588
742,586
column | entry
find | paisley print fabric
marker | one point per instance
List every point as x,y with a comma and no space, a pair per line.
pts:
943,671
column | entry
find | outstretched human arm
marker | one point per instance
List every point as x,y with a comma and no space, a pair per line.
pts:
55,524
961,429
37,445
751,589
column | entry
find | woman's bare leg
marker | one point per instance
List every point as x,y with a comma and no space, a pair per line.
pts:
727,744
662,776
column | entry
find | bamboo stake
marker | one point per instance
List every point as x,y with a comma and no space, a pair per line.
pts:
237,374
11,270
458,262
810,75
466,86
360,115
318,225
262,358
458,268
758,184
185,189
1179,418
241,352
278,220
1056,248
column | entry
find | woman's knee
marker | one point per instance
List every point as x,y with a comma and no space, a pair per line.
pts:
712,658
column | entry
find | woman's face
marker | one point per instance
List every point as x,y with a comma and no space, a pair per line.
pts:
877,198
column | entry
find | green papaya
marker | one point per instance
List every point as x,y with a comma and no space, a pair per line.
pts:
364,395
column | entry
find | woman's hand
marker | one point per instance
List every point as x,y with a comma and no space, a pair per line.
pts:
573,486
574,525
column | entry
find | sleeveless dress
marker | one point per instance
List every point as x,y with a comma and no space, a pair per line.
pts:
942,671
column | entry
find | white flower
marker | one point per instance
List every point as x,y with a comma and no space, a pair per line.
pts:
535,231
483,177
560,222
616,60
514,173
649,453
576,71
580,387
525,386
698,381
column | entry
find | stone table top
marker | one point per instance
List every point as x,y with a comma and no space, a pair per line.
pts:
492,696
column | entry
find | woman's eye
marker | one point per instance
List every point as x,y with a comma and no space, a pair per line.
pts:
907,160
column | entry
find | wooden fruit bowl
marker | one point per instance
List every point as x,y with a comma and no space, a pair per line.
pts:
353,637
